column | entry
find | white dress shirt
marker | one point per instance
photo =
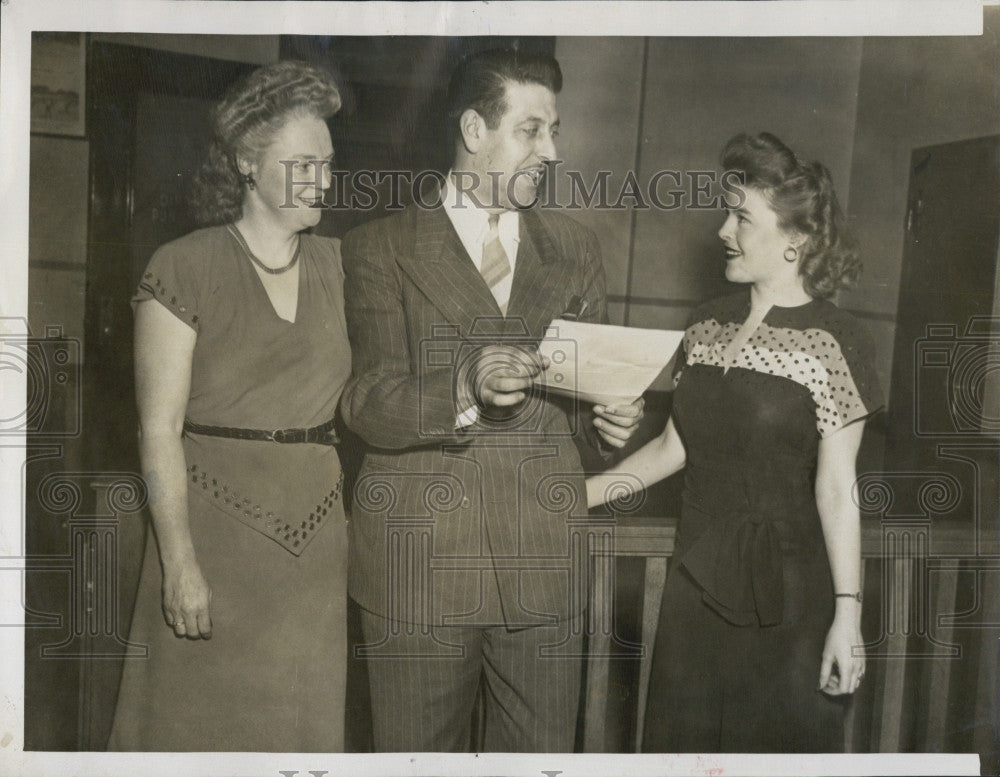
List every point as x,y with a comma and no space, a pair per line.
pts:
472,225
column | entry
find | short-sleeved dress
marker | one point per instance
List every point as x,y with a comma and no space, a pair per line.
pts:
749,597
266,518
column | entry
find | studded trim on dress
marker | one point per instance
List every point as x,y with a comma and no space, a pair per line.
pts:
292,533
154,286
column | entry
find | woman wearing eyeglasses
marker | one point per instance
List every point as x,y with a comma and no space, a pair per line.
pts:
241,352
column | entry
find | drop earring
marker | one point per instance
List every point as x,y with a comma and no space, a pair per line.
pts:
248,179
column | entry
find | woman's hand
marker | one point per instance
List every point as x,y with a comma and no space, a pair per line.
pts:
843,648
187,600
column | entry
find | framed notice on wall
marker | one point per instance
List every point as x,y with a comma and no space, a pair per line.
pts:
58,83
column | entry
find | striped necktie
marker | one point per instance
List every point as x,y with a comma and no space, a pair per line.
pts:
495,266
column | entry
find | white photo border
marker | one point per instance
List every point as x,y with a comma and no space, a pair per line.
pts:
707,18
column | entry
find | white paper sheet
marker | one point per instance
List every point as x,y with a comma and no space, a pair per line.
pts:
604,364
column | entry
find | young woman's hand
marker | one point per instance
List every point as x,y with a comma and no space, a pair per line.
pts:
844,649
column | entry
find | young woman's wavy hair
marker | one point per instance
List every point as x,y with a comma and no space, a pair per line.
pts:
802,197
245,122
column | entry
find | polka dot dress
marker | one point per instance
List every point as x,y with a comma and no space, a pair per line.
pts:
822,359
749,597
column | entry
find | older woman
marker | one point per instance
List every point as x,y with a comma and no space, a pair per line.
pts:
241,352
760,620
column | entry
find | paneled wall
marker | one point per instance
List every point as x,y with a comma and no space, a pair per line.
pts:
599,108
859,105
693,95
259,49
914,92
698,94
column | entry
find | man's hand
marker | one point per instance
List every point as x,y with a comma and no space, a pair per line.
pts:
617,423
502,375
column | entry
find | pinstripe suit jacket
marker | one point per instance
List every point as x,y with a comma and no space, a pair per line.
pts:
486,525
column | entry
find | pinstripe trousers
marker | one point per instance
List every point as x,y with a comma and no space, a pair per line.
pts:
528,681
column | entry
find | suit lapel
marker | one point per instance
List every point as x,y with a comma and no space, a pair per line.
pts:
442,270
537,259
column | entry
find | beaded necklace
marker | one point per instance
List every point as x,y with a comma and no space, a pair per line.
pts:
250,255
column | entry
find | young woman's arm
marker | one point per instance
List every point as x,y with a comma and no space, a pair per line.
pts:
841,521
657,459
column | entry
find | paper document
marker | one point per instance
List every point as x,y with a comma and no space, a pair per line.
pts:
604,364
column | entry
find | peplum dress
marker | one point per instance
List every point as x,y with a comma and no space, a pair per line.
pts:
266,519
749,597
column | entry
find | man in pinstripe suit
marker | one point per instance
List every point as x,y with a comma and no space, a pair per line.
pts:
469,530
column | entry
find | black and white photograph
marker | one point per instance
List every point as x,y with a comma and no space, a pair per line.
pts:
500,388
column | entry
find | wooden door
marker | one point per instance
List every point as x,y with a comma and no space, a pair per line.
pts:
943,427
147,125
946,300
152,110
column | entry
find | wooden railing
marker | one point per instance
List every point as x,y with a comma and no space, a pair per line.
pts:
914,611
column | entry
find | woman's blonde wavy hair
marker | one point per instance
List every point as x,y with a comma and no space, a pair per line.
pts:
246,120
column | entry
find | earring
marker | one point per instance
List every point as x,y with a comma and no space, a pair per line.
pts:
794,257
249,181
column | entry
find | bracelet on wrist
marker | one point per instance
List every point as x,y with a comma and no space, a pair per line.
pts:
856,596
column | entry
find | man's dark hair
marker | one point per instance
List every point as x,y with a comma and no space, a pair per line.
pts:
480,82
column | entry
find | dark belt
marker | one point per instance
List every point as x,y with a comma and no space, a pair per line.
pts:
321,435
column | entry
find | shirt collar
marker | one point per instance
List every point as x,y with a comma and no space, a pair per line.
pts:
471,222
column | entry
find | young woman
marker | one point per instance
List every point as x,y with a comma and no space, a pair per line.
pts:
760,620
